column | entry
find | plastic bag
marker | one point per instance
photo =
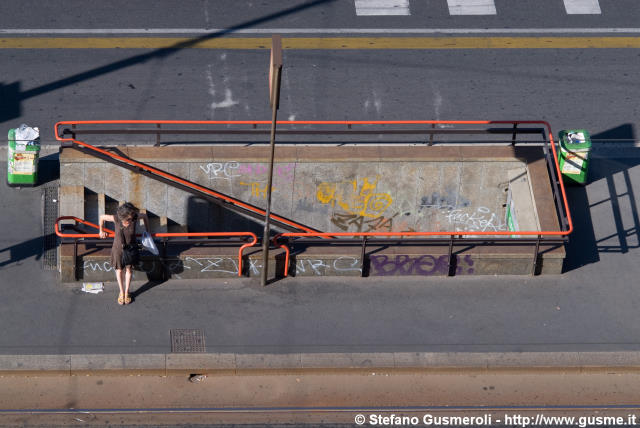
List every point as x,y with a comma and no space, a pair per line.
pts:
149,244
27,134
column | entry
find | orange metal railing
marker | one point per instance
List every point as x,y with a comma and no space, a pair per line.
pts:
311,233
319,122
110,233
172,177
536,233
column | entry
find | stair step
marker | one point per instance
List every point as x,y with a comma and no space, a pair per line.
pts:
91,207
71,202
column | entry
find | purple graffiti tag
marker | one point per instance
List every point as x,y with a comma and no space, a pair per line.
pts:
460,270
429,265
425,265
383,266
284,172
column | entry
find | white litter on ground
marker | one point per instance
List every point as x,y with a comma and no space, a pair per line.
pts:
92,287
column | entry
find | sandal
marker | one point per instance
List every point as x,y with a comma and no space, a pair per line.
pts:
127,300
121,299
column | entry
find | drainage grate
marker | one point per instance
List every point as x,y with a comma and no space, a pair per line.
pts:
49,216
187,340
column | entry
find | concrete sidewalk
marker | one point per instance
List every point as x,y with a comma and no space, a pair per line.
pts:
232,363
592,307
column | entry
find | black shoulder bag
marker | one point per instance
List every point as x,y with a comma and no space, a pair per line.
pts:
130,252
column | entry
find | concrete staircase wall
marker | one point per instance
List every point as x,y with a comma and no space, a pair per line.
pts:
331,189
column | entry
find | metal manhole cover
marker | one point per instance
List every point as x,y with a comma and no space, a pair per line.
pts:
187,340
50,214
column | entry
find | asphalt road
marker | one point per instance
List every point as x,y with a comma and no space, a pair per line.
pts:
219,14
590,307
568,87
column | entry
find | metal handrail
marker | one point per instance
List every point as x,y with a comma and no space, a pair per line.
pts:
515,124
111,234
174,178
451,234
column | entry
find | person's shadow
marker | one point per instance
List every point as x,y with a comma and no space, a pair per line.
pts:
158,271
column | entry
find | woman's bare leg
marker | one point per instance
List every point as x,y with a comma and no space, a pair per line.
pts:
127,281
120,280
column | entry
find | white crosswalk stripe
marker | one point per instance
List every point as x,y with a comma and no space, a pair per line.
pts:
464,7
582,7
471,7
382,7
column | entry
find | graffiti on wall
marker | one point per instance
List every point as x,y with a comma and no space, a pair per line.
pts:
426,265
231,169
221,170
283,171
357,197
88,265
358,223
228,266
380,265
258,189
362,224
457,210
320,267
481,219
449,200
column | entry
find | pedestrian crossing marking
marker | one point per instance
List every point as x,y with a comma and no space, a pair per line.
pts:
471,7
582,7
382,7
463,7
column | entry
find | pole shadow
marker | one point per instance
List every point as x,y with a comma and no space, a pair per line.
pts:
584,246
12,95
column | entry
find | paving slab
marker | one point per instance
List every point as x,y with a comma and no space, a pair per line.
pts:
31,364
82,364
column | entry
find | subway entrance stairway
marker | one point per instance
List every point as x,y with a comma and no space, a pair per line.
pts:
353,198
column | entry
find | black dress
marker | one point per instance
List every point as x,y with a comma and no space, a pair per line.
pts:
129,234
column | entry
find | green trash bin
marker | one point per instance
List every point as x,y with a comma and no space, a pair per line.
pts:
575,147
22,159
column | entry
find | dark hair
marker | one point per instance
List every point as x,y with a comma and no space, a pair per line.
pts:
127,211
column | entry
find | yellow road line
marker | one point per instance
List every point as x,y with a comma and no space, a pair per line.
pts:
322,43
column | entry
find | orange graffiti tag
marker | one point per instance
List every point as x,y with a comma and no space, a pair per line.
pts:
354,197
257,189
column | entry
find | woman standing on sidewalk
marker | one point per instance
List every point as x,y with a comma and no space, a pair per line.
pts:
125,234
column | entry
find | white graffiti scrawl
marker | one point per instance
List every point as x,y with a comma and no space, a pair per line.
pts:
222,170
480,220
341,264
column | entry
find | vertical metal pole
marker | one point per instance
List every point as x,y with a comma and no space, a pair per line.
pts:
157,136
75,259
433,126
515,132
535,256
265,236
166,271
363,255
450,255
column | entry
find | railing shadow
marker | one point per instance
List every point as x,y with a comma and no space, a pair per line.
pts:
24,250
605,215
